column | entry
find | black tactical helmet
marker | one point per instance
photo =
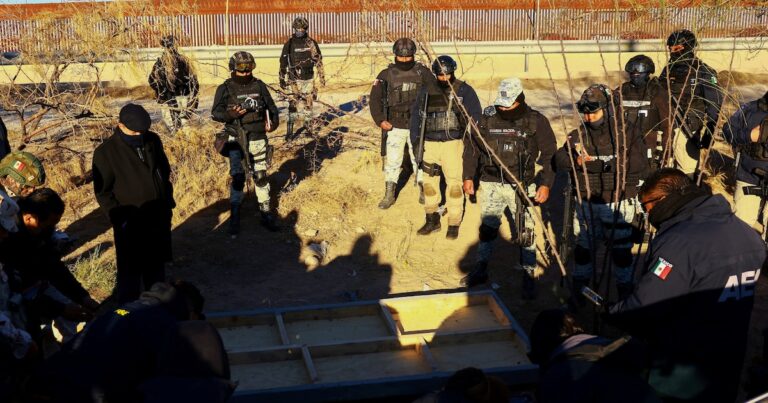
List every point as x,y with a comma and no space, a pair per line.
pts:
682,37
300,23
640,64
168,41
404,47
593,99
242,61
444,65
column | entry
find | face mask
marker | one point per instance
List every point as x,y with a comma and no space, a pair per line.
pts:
242,79
512,114
405,66
443,84
300,34
596,124
639,80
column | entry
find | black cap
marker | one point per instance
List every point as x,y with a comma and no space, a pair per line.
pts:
444,65
135,118
682,37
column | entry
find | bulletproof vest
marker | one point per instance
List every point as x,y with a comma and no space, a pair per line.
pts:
511,141
637,105
301,55
249,95
443,113
599,145
683,79
402,89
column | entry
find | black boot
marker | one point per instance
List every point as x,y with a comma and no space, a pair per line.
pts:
234,219
268,218
453,232
529,285
431,225
476,277
389,196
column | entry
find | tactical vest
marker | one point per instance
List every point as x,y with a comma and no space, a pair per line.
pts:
443,113
512,142
683,80
251,93
302,55
605,180
402,90
638,107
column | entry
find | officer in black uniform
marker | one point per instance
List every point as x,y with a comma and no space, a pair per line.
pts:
243,103
605,211
694,300
392,95
438,127
644,105
695,99
747,131
521,137
175,84
298,61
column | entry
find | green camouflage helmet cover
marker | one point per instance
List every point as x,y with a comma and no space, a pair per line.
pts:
24,168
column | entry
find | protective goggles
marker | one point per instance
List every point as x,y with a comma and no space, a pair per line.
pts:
586,106
244,66
641,68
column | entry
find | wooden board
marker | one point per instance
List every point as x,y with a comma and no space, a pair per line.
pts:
337,330
443,314
250,337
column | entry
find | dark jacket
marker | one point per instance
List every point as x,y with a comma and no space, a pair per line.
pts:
254,126
645,112
540,148
591,369
184,81
5,146
696,97
600,144
737,132
694,301
399,112
467,96
134,190
299,58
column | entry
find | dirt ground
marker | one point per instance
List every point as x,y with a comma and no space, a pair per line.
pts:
371,253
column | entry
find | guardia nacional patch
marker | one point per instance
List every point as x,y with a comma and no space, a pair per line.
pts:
662,268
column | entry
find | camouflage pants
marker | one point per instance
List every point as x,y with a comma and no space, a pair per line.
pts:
495,197
448,155
396,140
176,112
608,223
257,155
304,92
685,153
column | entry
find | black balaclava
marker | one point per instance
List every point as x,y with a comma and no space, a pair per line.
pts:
444,84
666,208
514,114
596,124
299,33
405,66
639,80
242,80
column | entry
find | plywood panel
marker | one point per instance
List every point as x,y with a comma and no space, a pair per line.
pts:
268,375
337,330
480,355
250,337
360,367
443,315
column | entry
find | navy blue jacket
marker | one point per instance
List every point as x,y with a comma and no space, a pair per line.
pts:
468,98
737,132
693,304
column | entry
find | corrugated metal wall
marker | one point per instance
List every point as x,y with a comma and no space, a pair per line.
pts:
438,26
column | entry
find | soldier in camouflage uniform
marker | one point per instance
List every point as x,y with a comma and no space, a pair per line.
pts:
20,173
392,95
520,136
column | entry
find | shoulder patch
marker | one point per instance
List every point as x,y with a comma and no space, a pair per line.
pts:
489,111
662,268
713,79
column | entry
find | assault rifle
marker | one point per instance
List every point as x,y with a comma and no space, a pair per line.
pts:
422,131
524,235
385,106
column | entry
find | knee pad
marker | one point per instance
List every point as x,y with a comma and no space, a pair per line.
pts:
622,257
261,178
238,181
581,255
430,169
429,190
456,192
488,233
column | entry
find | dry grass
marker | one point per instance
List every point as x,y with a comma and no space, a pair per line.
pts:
96,272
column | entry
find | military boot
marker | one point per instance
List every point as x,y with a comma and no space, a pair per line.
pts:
234,219
476,277
268,218
431,225
529,285
389,196
453,232
624,290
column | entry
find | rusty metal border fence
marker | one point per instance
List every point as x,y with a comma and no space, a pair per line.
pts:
453,25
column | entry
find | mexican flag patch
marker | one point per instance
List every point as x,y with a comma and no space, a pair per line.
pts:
662,269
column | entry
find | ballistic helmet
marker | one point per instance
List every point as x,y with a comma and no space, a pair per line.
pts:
24,168
593,99
640,64
300,23
444,65
404,47
242,61
682,37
